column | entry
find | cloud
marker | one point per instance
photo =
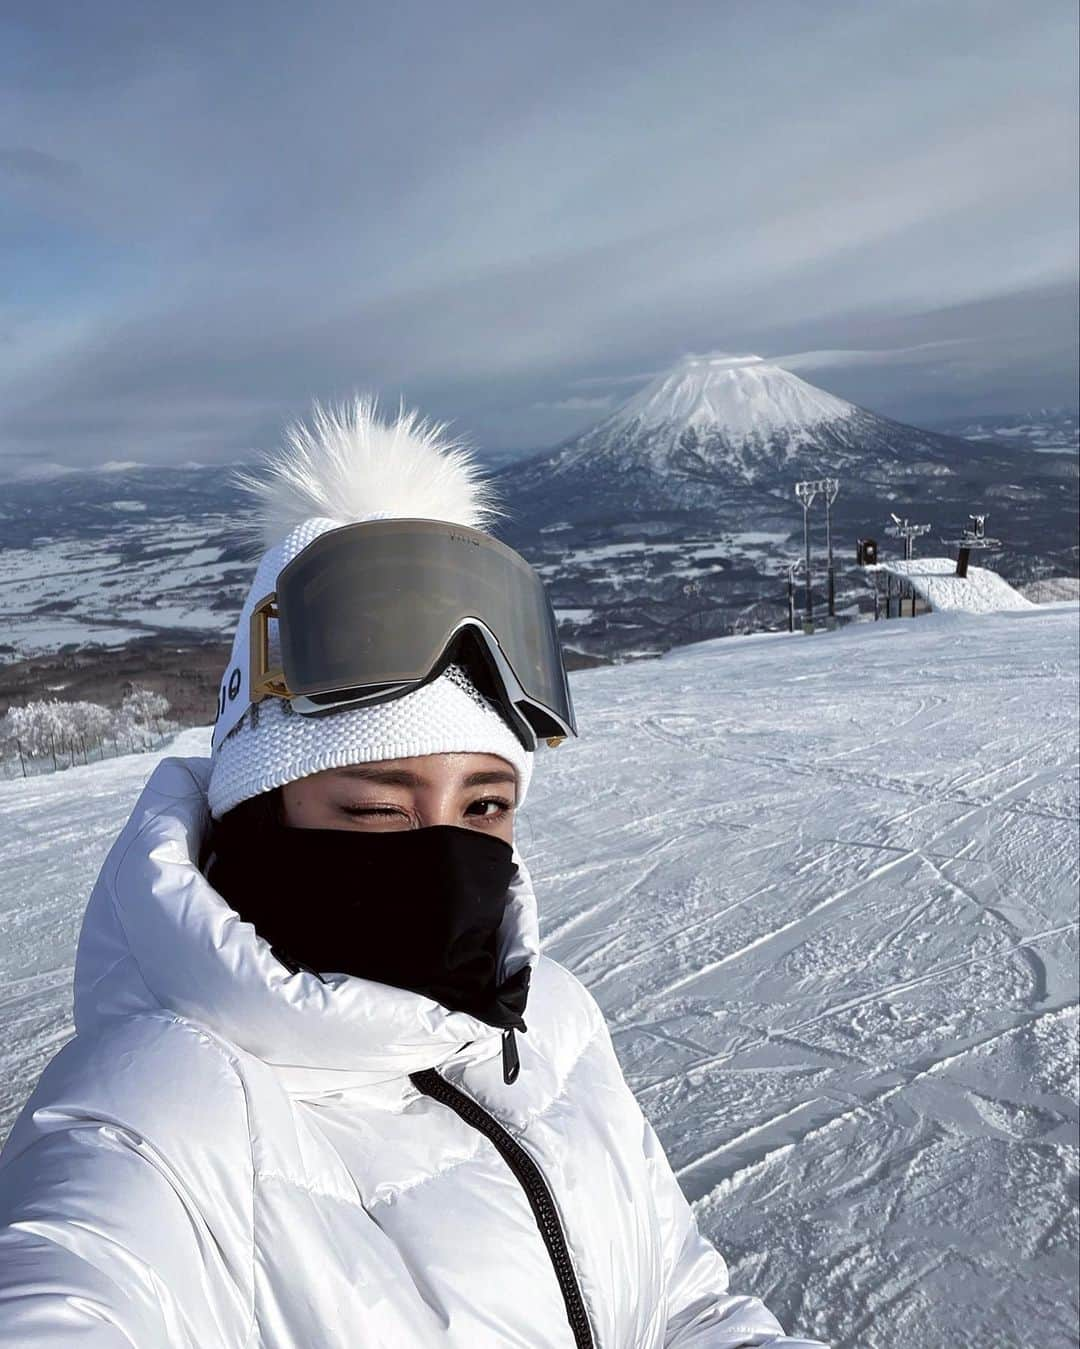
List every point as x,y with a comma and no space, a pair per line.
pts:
576,403
844,359
217,222
26,163
613,381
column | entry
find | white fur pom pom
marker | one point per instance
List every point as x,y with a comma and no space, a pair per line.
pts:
348,466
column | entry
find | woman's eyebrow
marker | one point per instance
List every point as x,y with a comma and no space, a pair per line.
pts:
491,776
388,777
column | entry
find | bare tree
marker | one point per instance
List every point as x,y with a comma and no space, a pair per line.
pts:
141,711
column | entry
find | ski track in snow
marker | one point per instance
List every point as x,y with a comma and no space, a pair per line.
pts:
826,893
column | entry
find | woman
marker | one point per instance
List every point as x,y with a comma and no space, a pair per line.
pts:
324,1090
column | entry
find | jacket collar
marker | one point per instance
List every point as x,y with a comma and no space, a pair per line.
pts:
157,936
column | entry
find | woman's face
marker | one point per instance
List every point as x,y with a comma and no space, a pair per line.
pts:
472,791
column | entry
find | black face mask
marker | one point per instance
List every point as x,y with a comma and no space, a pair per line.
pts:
416,908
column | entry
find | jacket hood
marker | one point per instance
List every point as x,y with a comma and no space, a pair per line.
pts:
156,935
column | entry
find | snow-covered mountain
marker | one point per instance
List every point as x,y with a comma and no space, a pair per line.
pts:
715,425
720,412
742,400
825,892
676,516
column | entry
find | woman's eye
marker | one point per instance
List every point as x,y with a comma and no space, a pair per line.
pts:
500,806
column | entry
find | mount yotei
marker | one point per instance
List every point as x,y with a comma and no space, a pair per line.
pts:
675,516
718,428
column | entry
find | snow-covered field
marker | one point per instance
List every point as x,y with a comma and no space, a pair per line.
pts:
826,891
1048,433
105,591
632,561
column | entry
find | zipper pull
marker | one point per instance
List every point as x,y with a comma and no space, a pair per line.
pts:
510,1059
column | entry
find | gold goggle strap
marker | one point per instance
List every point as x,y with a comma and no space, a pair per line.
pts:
265,683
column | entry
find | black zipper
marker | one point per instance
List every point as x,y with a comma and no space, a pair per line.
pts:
531,1179
511,1060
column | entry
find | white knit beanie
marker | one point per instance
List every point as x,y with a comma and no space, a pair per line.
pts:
350,466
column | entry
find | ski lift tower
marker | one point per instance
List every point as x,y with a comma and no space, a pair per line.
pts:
903,529
806,492
832,486
792,572
973,537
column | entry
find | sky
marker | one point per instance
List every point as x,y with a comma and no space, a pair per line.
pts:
510,216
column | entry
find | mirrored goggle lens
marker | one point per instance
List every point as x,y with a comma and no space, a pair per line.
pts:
377,603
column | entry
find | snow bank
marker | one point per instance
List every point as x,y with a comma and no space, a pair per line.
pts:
825,891
981,591
1052,589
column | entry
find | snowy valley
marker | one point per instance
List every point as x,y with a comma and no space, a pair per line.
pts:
825,890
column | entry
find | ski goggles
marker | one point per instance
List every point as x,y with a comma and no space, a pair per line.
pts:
371,611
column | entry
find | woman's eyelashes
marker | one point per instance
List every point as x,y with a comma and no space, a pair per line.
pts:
502,807
488,808
380,816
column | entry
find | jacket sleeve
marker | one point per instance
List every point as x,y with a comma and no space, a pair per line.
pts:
108,1240
702,1313
96,1246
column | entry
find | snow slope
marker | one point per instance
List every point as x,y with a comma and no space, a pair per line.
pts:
935,580
744,394
1051,589
825,890
735,414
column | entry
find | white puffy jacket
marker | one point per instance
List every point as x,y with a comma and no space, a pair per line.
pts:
231,1155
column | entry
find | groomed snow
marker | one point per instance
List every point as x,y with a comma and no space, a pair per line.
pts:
935,580
825,890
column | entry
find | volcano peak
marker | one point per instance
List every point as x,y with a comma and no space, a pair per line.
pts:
741,397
